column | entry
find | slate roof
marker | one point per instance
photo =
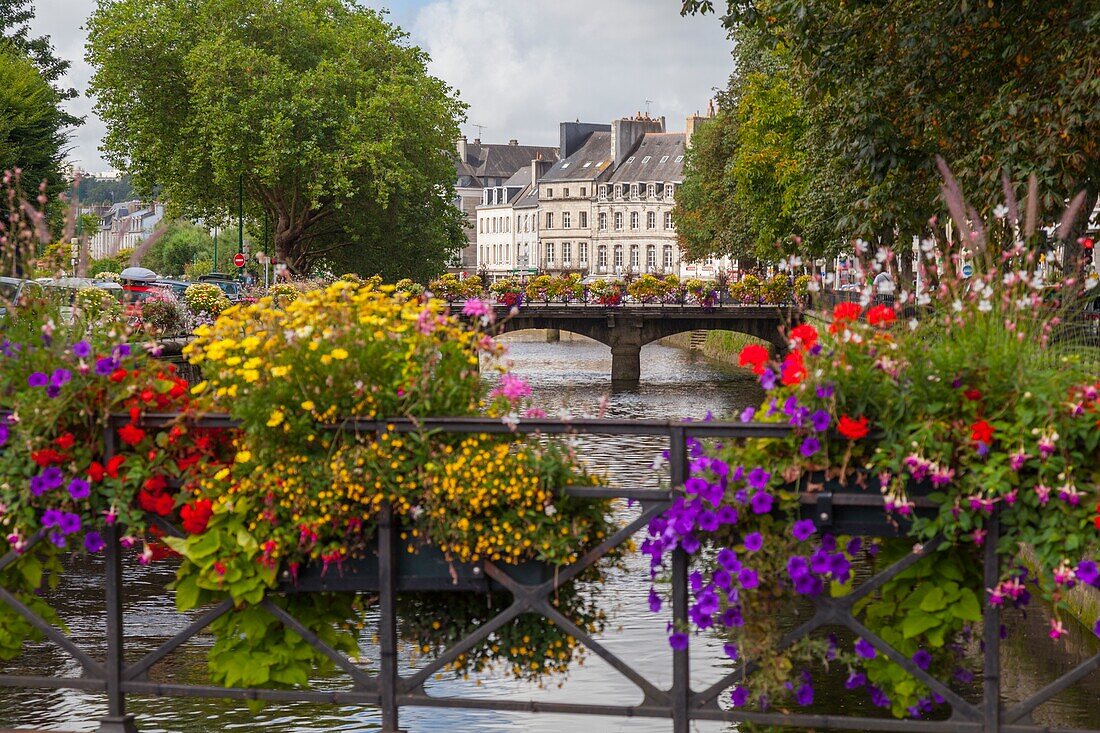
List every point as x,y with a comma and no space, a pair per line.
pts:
528,198
500,161
520,178
645,160
596,153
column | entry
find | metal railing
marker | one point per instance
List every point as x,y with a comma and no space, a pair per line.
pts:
119,676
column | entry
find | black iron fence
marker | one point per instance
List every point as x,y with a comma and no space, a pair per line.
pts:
119,675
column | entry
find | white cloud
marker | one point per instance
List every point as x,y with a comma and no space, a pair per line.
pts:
522,66
525,66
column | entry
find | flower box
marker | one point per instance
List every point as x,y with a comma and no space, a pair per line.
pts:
855,506
427,569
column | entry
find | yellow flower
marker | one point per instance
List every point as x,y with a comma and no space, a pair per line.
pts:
200,387
339,354
244,456
308,405
280,371
275,419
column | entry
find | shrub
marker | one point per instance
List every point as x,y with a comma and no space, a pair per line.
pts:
164,314
96,305
204,298
283,294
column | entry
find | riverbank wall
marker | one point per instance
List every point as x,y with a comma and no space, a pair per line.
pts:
721,346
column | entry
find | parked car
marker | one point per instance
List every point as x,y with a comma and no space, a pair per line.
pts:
233,289
13,289
176,286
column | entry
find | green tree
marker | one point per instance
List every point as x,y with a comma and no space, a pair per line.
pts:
32,126
343,139
180,245
991,87
15,19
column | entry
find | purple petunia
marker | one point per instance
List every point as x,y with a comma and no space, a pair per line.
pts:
761,502
678,641
1087,573
748,414
922,659
739,696
3,433
37,379
753,541
804,694
855,680
803,529
654,601
81,349
52,477
825,391
854,546
731,651
758,478
51,518
52,391
810,446
60,377
69,523
121,351
105,366
79,488
38,486
864,649
820,420
93,542
748,578
767,379
727,558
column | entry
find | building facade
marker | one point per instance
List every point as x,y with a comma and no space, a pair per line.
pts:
479,166
507,224
125,226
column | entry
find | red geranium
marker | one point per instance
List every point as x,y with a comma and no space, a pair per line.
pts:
48,457
846,311
972,394
196,516
117,375
853,429
131,434
753,355
65,441
805,335
981,432
794,370
882,315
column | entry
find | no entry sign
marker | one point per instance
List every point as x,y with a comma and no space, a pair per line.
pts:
238,259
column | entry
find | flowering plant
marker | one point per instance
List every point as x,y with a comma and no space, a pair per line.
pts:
204,298
296,497
282,294
607,292
645,288
413,289
700,292
961,397
507,291
450,287
97,306
164,314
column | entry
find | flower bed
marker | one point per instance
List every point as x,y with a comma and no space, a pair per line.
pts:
974,404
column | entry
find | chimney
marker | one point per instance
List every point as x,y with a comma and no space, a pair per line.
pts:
513,142
626,133
462,149
710,108
539,168
693,124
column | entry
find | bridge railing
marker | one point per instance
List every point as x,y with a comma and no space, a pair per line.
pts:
122,674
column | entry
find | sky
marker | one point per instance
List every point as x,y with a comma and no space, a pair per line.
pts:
522,66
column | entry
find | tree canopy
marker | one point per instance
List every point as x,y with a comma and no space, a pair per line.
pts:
992,87
15,18
32,125
343,139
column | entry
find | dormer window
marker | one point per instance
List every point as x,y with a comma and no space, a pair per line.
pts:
618,191
603,192
651,190
633,190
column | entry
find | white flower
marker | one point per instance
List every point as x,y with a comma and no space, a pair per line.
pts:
957,306
796,261
927,245
924,298
881,254
1091,282
985,306
913,324
987,291
1000,211
861,246
813,286
551,510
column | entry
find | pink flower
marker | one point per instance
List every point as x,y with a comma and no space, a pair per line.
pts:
978,536
1070,494
513,388
426,321
1046,444
476,308
1044,493
1017,459
1064,574
1057,631
996,596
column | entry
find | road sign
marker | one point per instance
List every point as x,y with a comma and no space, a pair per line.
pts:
238,259
968,270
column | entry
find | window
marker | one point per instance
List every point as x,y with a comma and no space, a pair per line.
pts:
679,159
526,223
549,219
651,190
549,253
668,257
618,191
565,193
603,192
566,253
645,159
602,221
601,257
633,190
549,193
508,224
563,167
630,159
618,257
582,253
651,220
583,223
634,255
634,219
669,191
618,221
585,166
566,220
664,158
651,257
584,192
668,220
518,228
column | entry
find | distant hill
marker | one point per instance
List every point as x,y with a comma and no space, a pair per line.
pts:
94,191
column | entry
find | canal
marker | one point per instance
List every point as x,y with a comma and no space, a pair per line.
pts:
568,378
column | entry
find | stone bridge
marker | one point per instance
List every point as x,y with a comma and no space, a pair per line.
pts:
626,329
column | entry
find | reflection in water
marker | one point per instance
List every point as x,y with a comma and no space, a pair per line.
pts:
571,377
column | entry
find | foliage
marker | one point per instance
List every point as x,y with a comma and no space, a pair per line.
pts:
205,298
104,192
891,85
182,244
282,294
15,21
778,289
975,405
96,306
507,291
450,287
164,314
344,140
32,125
113,264
699,292
607,292
406,285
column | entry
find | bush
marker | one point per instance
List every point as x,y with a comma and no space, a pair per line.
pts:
409,287
507,291
283,294
751,290
777,290
205,299
164,314
96,305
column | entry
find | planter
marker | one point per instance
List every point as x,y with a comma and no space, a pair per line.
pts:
425,570
856,506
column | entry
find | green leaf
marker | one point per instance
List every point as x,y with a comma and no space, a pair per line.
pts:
917,623
967,607
187,593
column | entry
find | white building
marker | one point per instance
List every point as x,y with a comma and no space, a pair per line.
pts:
125,226
507,224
